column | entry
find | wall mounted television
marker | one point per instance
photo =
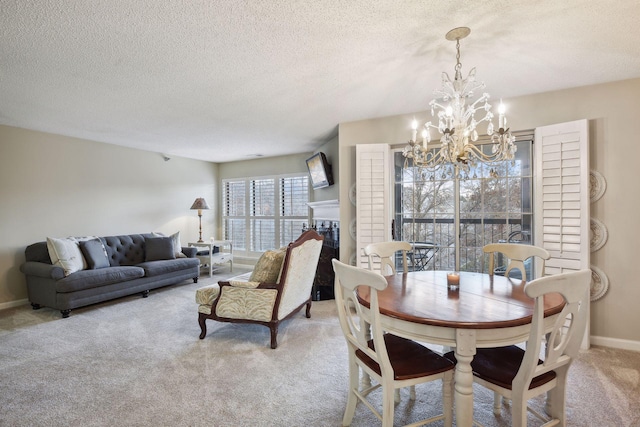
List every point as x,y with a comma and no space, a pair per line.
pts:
320,171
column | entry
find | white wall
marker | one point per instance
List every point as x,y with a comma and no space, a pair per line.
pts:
613,111
51,185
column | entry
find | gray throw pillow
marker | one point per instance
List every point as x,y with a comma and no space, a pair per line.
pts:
94,253
158,248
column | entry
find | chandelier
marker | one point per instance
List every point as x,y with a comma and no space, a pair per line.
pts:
457,123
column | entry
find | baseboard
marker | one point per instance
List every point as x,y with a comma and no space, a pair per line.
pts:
615,343
11,304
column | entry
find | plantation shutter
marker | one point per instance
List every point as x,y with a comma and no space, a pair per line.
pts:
373,214
294,211
562,197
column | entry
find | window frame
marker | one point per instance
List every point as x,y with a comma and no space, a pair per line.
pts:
249,214
483,216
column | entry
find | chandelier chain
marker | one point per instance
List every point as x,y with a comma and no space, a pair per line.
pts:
458,64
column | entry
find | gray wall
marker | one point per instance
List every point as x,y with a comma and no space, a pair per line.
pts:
613,111
56,186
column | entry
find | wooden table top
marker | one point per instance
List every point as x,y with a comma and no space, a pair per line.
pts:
482,301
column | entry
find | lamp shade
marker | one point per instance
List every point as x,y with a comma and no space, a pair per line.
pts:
200,203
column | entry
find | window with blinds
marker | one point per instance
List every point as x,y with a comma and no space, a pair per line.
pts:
264,213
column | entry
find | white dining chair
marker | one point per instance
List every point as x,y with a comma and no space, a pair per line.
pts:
517,255
392,361
518,374
384,253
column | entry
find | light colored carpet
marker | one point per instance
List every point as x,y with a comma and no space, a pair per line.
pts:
139,362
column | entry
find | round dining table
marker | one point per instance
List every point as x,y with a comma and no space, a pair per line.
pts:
485,311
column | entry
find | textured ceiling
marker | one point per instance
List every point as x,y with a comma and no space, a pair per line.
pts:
228,80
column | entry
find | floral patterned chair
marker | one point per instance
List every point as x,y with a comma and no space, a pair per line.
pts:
278,287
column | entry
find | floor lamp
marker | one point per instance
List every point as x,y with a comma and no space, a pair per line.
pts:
200,204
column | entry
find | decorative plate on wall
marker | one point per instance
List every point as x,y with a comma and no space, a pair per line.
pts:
597,185
352,229
598,233
352,259
352,194
599,283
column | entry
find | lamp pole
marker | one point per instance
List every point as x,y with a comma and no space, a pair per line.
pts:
200,220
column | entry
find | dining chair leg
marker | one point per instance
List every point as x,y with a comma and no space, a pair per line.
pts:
412,392
497,403
447,399
396,395
555,404
388,405
518,410
352,399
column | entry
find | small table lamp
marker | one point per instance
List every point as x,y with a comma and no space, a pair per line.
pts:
200,204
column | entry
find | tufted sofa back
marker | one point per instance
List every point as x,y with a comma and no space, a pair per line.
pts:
121,250
124,250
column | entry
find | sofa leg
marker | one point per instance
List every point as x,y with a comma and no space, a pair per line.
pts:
35,306
203,326
195,279
145,293
274,334
308,314
65,313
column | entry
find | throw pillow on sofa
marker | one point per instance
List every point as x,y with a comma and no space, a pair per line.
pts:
268,267
66,253
177,246
94,253
159,248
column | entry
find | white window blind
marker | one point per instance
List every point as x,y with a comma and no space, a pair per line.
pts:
264,213
234,220
294,210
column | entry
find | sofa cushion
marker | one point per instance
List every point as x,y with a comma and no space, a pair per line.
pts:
66,254
94,253
87,279
157,268
267,269
159,248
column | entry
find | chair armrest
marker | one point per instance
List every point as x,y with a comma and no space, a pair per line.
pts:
189,251
40,269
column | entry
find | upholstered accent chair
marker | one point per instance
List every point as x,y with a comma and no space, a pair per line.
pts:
279,286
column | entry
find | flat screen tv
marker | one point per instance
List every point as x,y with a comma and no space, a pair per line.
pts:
320,171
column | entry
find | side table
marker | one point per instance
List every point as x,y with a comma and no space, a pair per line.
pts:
219,258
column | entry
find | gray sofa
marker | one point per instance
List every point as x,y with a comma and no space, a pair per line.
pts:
128,270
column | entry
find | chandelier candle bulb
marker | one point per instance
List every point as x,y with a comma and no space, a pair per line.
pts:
501,111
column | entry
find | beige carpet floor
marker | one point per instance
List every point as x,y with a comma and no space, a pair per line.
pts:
139,362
